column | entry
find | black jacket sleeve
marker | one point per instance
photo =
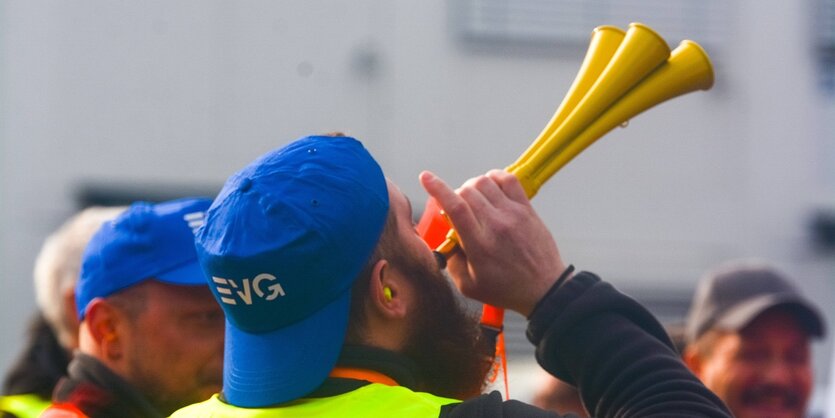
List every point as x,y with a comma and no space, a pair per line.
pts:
615,352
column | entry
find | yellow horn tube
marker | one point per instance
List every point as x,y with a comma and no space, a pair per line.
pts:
688,69
641,51
605,41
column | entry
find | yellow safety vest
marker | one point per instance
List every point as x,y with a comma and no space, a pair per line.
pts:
24,406
370,401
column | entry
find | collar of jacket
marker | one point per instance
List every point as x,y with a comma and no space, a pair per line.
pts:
394,365
97,391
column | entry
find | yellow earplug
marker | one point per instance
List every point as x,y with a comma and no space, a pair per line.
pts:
387,292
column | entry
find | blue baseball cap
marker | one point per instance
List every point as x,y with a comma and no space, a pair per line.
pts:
282,245
147,241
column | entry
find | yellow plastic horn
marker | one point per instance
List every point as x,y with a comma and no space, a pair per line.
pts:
688,69
639,74
605,41
641,52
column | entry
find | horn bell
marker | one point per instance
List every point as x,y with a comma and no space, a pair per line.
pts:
605,41
688,69
641,52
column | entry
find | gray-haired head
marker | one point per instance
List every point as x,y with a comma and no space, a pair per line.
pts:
57,267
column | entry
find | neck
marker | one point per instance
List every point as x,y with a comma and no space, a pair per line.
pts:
379,365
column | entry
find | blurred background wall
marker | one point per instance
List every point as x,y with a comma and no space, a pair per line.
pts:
105,101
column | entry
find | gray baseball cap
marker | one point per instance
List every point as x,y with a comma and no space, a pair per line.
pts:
730,297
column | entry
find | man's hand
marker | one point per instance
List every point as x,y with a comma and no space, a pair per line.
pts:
507,257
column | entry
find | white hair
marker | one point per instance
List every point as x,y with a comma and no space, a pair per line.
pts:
59,263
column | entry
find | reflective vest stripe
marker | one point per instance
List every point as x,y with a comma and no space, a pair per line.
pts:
23,406
371,401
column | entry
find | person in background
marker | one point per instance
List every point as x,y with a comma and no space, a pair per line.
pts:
336,307
150,334
676,332
555,395
748,339
53,331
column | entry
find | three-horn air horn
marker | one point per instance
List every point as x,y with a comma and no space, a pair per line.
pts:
622,75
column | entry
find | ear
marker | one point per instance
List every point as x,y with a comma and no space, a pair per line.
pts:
70,319
692,359
103,321
388,292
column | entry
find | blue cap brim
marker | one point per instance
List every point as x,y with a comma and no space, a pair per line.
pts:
188,274
275,367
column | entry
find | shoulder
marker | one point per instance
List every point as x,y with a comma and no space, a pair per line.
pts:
376,399
22,405
373,400
201,409
491,405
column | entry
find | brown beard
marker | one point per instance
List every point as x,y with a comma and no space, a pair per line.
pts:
446,340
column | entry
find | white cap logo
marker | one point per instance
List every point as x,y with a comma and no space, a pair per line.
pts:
225,288
194,220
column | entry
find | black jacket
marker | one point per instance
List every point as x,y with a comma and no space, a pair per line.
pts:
95,390
588,334
39,366
41,363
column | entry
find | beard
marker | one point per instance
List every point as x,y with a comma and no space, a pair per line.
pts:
165,396
446,341
790,401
